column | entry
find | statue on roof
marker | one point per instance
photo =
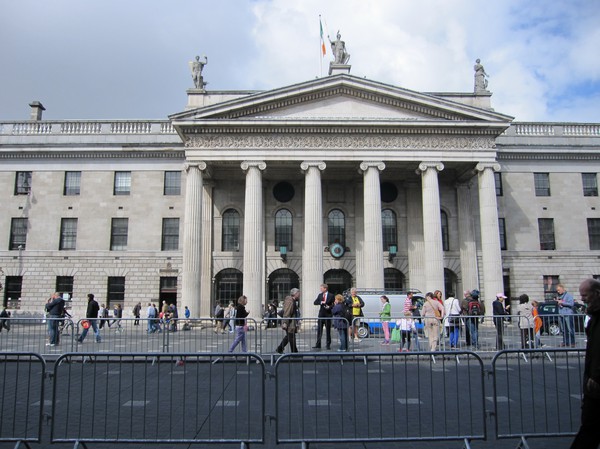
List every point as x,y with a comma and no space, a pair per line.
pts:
481,83
338,47
196,68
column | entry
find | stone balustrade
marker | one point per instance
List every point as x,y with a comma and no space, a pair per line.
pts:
76,127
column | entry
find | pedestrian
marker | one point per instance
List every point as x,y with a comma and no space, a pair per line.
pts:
386,315
151,315
219,314
173,316
406,324
432,313
588,436
240,324
4,319
325,301
565,309
118,315
452,311
526,321
187,313
340,322
91,315
103,314
464,305
290,322
136,313
475,312
357,313
56,311
537,324
499,312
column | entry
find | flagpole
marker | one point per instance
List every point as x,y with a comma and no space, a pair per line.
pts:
320,44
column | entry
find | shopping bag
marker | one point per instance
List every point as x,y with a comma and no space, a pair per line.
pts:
396,335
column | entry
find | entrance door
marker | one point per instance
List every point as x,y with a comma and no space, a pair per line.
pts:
338,281
168,290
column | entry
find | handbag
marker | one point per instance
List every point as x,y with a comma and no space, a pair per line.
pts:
396,337
85,324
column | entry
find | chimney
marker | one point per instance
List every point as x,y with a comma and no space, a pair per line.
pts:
36,110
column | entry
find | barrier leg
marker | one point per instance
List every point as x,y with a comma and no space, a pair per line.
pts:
523,444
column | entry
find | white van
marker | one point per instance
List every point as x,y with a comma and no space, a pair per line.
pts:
371,322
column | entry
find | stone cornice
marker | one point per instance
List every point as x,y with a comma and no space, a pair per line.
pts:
309,142
123,154
546,156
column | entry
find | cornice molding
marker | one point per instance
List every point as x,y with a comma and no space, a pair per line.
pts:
547,156
310,142
179,154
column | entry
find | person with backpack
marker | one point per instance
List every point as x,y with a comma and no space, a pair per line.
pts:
340,321
474,311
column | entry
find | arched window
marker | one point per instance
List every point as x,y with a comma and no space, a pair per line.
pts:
390,230
336,227
393,280
280,283
228,285
231,231
445,242
283,229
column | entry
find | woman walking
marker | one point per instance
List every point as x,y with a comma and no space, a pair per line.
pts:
240,324
432,314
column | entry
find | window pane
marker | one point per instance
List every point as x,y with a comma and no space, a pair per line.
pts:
229,285
550,283
393,280
389,229
18,233
283,229
336,227
502,228
542,184
170,234
546,229
445,242
590,184
118,234
172,183
23,183
12,292
64,286
231,231
68,233
594,232
115,291
72,183
498,179
122,183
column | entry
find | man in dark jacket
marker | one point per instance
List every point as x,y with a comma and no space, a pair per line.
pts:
91,315
56,310
290,323
589,432
325,302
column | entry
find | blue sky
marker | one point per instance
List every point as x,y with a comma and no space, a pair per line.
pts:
115,59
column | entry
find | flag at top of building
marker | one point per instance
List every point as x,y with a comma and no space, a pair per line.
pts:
323,48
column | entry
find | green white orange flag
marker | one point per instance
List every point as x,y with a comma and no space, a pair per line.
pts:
323,48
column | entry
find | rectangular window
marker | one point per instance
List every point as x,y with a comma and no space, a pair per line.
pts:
546,229
502,228
12,292
115,290
18,233
168,290
542,184
64,286
550,283
170,234
118,234
172,183
23,183
590,184
72,183
498,179
122,183
68,233
594,232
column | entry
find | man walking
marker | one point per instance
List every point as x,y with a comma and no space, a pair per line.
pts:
499,311
56,310
325,302
290,322
91,315
565,309
589,433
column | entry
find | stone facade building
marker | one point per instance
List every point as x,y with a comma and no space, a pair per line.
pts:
340,179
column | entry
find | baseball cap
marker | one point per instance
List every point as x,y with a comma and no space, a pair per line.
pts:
500,295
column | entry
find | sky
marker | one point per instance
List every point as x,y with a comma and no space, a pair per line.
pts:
128,59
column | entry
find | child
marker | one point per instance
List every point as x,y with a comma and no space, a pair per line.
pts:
537,324
340,322
407,327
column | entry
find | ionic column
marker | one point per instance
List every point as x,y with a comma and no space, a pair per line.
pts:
312,253
373,238
432,227
206,304
253,237
490,233
414,234
466,236
192,238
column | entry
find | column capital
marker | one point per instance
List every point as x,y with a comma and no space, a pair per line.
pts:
307,164
495,166
379,165
200,165
423,166
245,165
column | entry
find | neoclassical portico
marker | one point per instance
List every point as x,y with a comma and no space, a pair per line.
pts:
336,140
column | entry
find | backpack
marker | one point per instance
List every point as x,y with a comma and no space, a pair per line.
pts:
347,311
474,308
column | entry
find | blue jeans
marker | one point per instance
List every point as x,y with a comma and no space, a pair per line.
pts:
568,328
473,330
94,326
454,332
240,337
343,333
53,329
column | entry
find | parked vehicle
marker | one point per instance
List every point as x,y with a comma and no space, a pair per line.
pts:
371,323
551,322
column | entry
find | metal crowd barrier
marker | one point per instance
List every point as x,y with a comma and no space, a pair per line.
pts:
21,397
537,392
32,335
160,398
379,397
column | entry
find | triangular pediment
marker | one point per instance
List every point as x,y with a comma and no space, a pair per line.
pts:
340,98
